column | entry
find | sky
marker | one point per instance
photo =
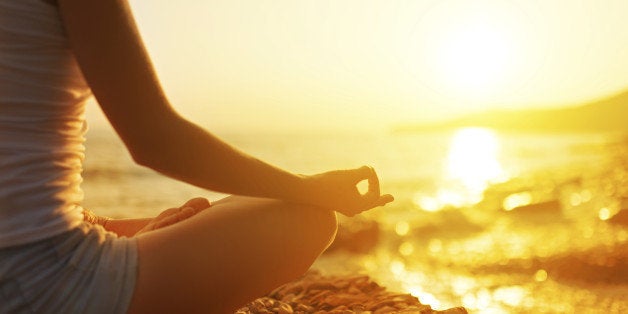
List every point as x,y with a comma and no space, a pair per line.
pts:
372,64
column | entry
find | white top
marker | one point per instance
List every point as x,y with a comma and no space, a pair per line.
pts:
42,102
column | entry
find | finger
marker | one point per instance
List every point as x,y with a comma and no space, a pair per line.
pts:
168,212
165,222
360,174
385,199
373,194
369,203
373,183
185,213
149,227
197,203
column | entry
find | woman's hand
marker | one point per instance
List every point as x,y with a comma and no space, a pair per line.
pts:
173,215
338,190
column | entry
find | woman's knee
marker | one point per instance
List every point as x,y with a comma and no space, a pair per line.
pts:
325,224
316,228
330,226
312,232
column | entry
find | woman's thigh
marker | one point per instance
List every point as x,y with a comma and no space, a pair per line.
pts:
228,254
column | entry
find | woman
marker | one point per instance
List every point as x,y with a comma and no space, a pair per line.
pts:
56,257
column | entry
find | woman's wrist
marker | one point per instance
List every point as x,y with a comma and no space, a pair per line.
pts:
92,218
304,190
103,221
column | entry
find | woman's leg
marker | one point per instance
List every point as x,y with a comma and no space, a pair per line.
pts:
224,256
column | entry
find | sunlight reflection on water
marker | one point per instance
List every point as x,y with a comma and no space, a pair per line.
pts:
474,158
496,240
471,165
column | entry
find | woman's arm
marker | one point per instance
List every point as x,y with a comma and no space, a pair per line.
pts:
132,226
122,227
115,63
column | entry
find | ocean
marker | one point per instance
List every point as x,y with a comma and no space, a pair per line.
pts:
496,222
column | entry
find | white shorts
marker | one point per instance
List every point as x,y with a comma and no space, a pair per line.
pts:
84,270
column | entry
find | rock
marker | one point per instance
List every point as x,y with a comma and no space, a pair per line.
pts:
358,235
385,309
284,309
621,218
552,207
453,310
315,293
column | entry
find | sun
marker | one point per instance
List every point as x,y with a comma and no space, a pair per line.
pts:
474,58
470,49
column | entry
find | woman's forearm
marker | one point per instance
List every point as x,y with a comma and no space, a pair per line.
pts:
184,151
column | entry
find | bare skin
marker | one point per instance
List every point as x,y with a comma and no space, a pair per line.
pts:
197,257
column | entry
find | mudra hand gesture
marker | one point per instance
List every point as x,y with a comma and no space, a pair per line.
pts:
338,190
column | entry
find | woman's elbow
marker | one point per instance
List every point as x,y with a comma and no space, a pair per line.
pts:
143,152
141,157
157,156
148,148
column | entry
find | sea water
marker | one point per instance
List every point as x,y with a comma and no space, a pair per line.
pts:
497,222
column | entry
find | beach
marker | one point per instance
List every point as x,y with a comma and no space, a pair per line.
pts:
486,221
315,293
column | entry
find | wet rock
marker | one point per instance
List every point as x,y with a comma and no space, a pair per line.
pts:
284,309
538,212
539,208
621,218
459,225
357,235
600,264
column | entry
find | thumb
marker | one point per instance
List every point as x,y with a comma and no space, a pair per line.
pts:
385,199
